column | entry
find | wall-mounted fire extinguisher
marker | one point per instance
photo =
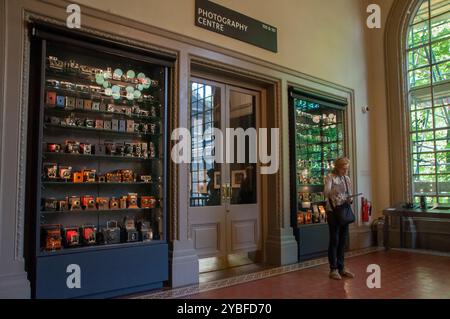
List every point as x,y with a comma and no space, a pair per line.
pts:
366,207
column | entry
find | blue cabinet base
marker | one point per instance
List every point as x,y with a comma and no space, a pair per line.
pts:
102,273
312,241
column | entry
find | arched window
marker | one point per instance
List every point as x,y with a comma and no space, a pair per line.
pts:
428,77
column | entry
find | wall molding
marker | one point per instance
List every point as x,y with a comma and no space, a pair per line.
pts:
397,100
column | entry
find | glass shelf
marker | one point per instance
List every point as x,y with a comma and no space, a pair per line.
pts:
99,157
135,210
49,126
51,109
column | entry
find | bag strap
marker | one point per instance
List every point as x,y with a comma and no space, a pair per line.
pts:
346,186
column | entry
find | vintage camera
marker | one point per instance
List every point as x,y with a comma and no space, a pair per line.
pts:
88,235
152,150
51,237
72,147
89,175
60,101
79,104
72,66
53,148
89,123
71,237
144,150
300,218
145,231
65,173
120,150
144,113
130,126
70,103
102,203
96,90
101,178
110,234
100,149
128,149
123,202
137,127
75,203
63,205
146,178
123,126
99,124
88,202
115,125
55,64
69,121
135,110
86,149
148,202
50,204
114,203
50,98
129,230
87,105
137,150
107,125
54,120
110,148
110,108
132,201
51,171
114,177
77,177
96,106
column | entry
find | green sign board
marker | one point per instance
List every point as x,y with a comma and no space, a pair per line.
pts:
214,17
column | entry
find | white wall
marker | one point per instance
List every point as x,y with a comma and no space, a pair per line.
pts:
327,39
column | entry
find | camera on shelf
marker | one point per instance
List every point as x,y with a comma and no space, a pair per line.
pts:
85,148
88,234
50,204
71,237
72,147
123,202
148,202
129,230
75,203
89,175
55,64
127,175
114,177
110,234
102,203
63,205
132,201
51,171
53,148
65,173
88,202
145,231
51,237
114,203
77,177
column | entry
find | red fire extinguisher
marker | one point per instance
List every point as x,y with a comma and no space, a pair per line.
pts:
366,210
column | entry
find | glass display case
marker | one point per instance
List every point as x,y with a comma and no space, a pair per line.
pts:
317,139
101,173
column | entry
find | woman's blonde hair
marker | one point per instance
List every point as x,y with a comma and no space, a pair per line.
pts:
339,163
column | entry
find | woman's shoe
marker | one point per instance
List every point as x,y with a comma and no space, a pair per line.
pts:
346,273
334,274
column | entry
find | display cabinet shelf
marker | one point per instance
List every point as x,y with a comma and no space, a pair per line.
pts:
126,238
52,110
49,126
97,157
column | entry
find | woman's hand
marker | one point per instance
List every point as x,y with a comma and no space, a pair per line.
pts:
350,200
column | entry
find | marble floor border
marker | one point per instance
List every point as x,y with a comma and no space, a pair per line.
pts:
223,283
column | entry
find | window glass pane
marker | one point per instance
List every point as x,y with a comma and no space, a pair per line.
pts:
444,200
440,51
441,72
420,98
419,34
422,120
439,7
419,77
424,163
422,13
442,116
444,184
441,94
440,26
418,57
425,184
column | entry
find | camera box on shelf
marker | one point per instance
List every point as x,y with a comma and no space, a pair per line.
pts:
130,232
51,237
110,234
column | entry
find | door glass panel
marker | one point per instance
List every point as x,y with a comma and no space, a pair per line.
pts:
243,168
205,176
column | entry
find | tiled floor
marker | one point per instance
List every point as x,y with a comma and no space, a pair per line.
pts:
404,275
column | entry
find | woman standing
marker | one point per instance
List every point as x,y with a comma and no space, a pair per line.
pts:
338,187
